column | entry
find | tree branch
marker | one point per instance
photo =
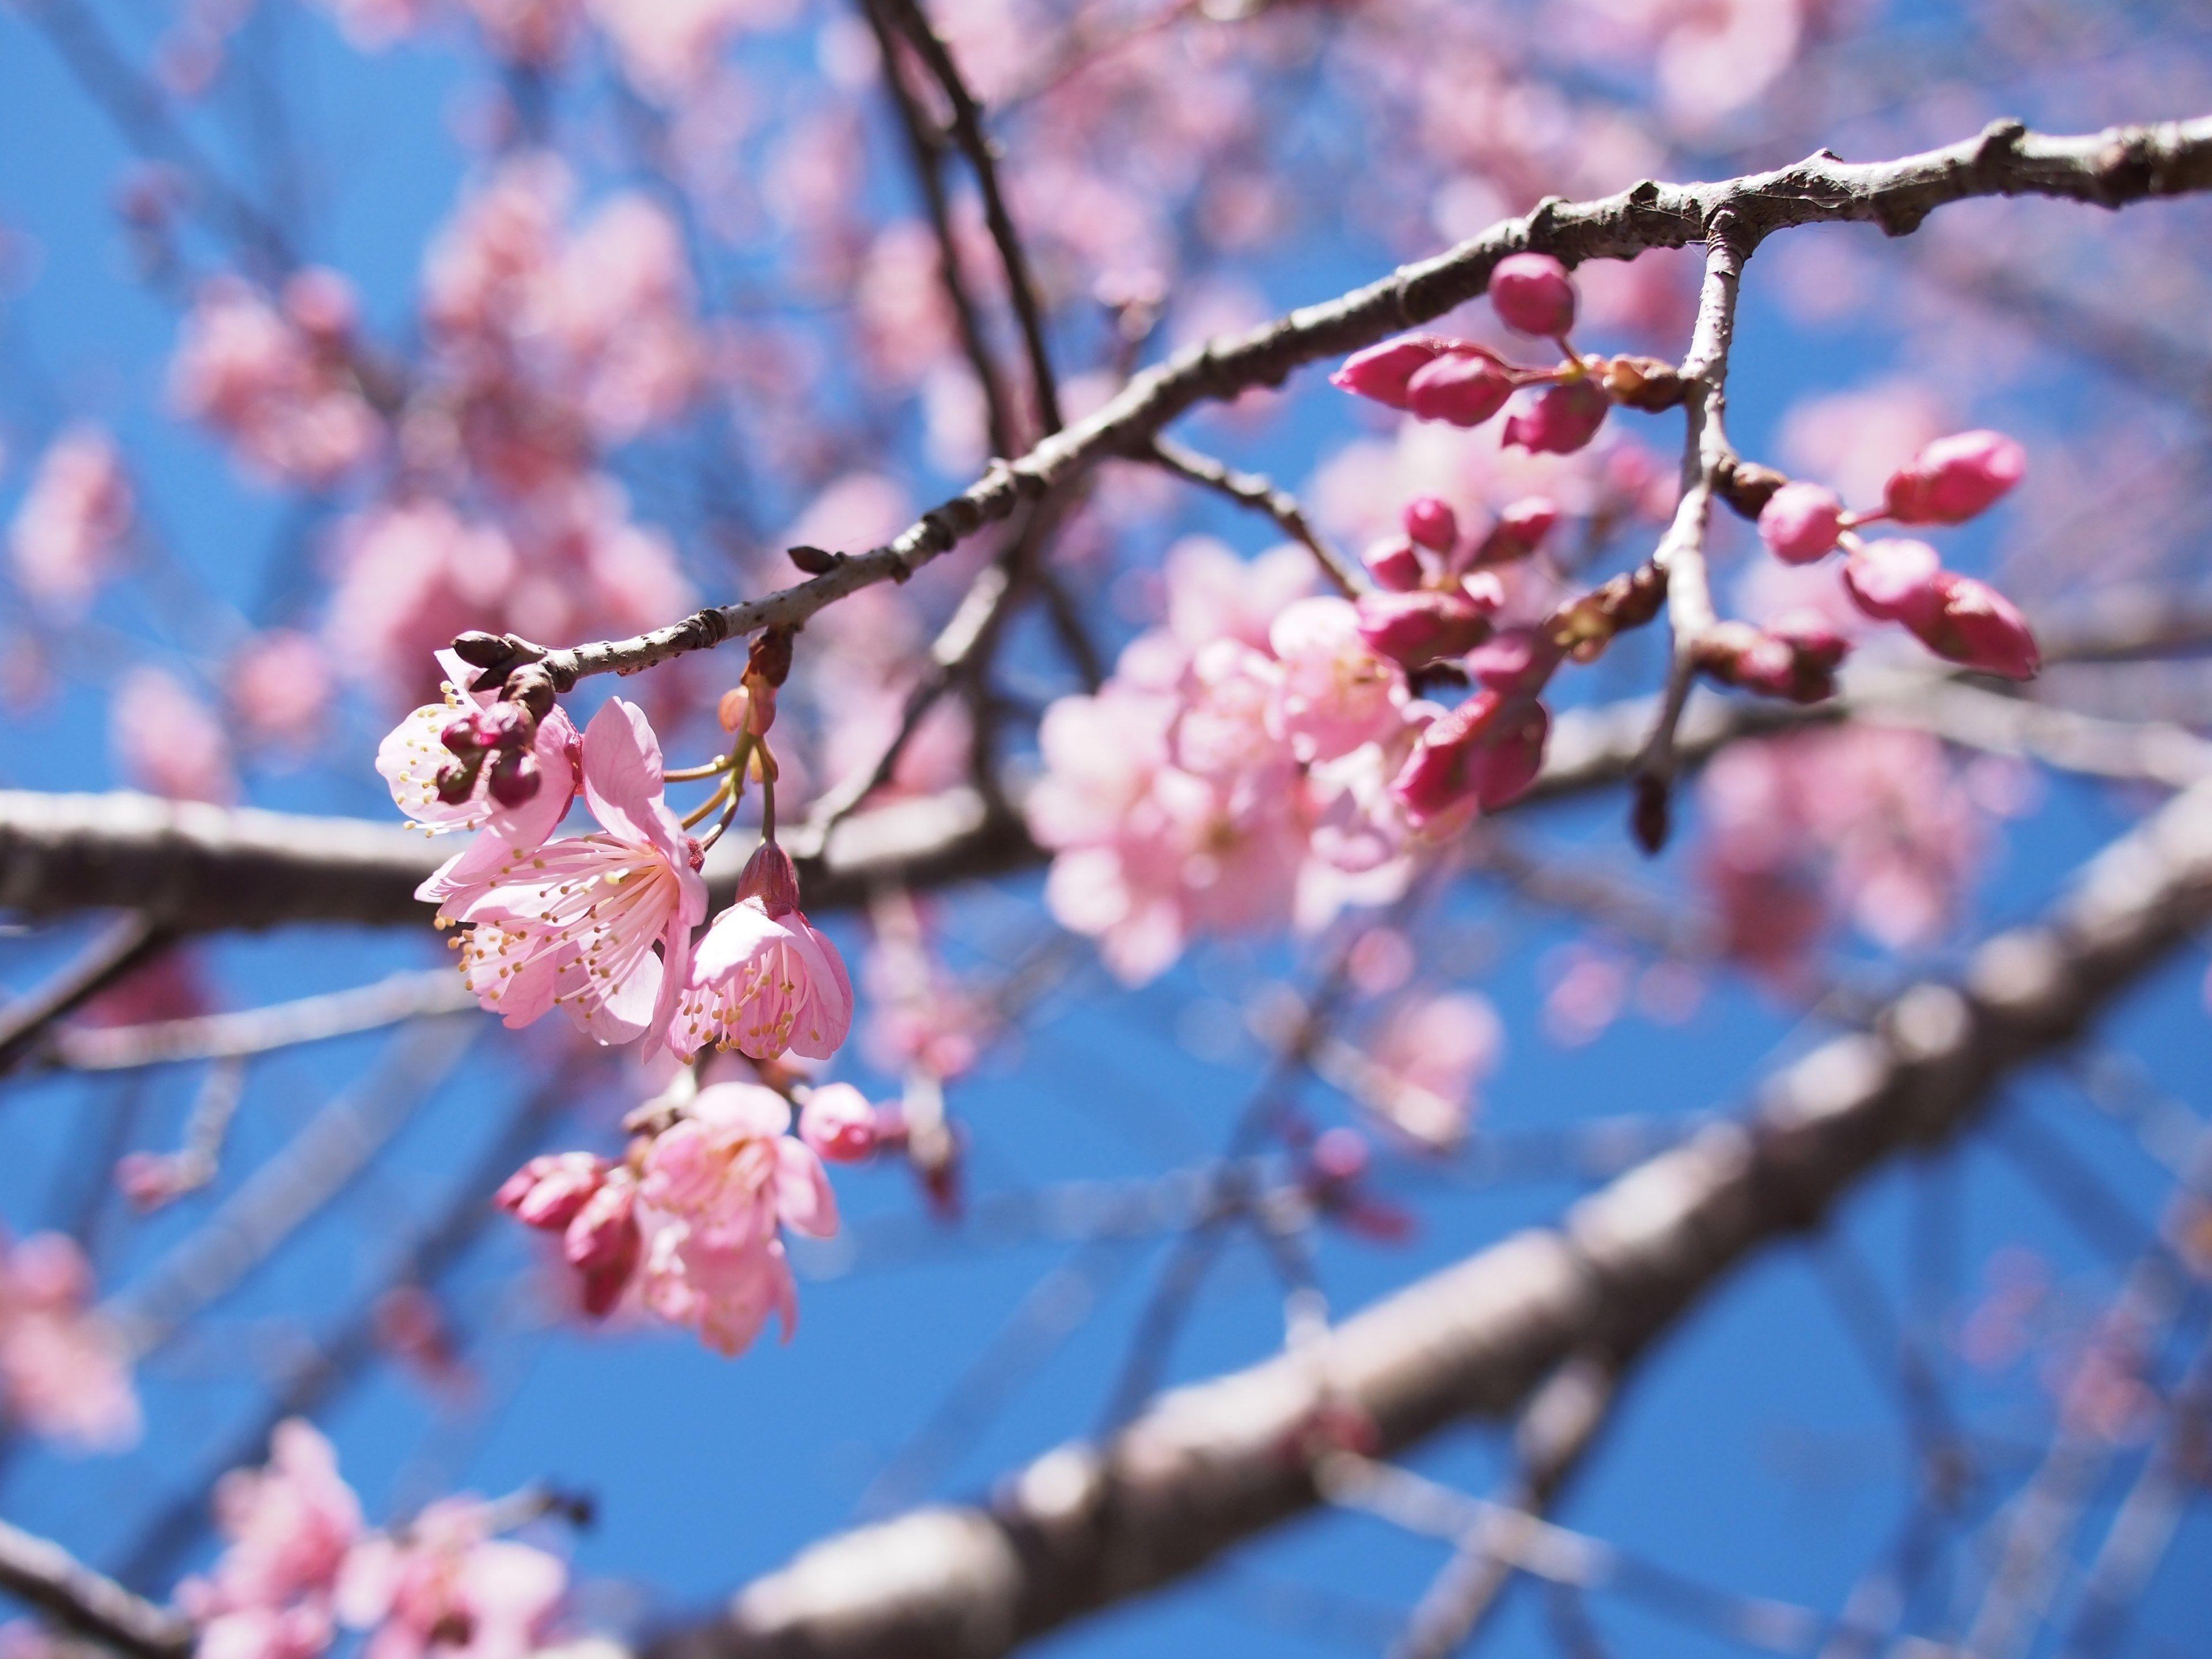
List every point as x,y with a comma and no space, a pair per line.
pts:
2110,169
45,1575
1203,1468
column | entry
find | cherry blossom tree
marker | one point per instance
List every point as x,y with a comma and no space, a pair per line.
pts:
841,553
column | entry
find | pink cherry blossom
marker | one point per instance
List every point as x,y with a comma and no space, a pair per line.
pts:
168,740
838,1123
289,1527
74,520
715,1190
64,1372
1334,694
1425,1062
575,921
286,393
446,1586
764,979
415,752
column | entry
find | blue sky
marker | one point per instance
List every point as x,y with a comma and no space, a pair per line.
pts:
1757,1449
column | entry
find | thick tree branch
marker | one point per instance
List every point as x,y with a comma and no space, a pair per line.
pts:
1205,1467
2109,169
45,1577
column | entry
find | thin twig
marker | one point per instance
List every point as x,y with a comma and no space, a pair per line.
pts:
1261,495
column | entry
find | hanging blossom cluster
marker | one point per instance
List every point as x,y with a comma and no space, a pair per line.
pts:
298,1567
75,520
64,1371
606,927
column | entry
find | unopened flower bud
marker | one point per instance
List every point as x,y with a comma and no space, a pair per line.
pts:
1532,294
1974,625
1514,659
1520,530
731,709
838,1123
1464,388
1800,522
1339,1156
1955,478
1381,371
1487,751
547,1191
1395,567
456,781
602,1244
506,726
1414,629
1893,579
1562,421
465,734
515,777
1432,522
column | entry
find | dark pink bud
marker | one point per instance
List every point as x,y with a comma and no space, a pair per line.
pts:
1463,387
1381,371
1800,522
465,734
1955,478
1520,530
1395,565
458,781
547,1191
1560,422
601,1243
507,725
1514,660
838,1123
1796,658
1432,522
1532,294
1975,625
1487,751
1812,637
770,877
1893,580
515,776
1414,629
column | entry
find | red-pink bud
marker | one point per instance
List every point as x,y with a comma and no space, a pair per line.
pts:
506,726
1381,372
1432,522
1514,660
1532,294
1800,522
602,1244
1395,565
1955,478
456,782
1465,388
1894,580
1796,657
514,777
1415,630
1812,636
547,1191
1975,625
838,1123
1488,750
770,877
465,734
1560,422
1520,530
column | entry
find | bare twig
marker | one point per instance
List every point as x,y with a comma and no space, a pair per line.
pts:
1263,495
24,1022
416,993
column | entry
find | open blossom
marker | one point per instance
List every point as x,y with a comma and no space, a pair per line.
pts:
1334,694
716,1189
575,921
289,1526
446,1586
75,519
416,751
64,1372
765,980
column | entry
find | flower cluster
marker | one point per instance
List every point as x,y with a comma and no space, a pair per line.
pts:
1435,377
690,1223
64,1372
299,1565
1262,755
74,520
1902,580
